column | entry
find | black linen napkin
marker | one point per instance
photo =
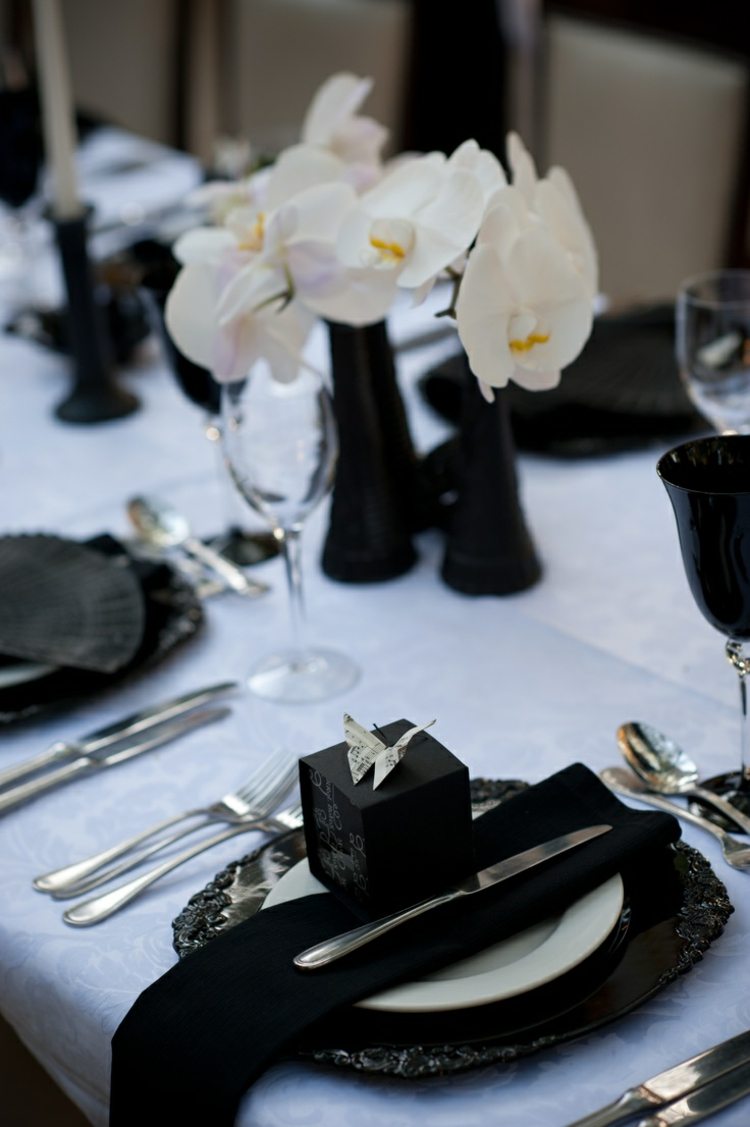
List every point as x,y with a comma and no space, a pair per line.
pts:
197,1038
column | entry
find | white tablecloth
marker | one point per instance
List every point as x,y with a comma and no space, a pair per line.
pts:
520,686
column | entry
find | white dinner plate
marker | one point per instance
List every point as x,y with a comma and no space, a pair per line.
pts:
519,963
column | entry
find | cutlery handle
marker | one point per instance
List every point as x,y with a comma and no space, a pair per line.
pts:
662,803
730,812
71,876
24,791
331,949
99,908
57,752
630,1103
236,578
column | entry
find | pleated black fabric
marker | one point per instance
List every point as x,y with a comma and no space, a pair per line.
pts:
197,1038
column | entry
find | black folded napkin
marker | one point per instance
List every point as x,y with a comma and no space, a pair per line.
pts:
197,1038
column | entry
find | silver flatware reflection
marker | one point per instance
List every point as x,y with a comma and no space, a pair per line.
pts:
88,764
61,751
666,768
163,526
330,950
101,907
736,853
674,1083
250,801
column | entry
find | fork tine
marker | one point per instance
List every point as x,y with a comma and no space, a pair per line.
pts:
274,769
275,793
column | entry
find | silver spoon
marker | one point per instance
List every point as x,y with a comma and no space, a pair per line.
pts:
736,853
161,525
666,768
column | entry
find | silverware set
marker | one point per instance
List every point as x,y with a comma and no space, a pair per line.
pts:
660,768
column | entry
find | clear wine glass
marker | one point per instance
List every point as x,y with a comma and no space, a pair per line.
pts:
708,482
280,444
713,347
158,270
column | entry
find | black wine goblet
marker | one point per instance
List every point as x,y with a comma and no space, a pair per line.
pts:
708,482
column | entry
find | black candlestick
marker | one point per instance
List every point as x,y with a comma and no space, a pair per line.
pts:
95,396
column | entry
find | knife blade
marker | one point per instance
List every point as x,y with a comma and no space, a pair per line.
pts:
709,1099
673,1083
166,732
321,954
101,738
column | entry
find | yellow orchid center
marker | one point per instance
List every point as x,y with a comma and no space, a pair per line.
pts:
253,239
528,342
389,252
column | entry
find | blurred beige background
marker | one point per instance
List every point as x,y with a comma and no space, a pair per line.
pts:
651,123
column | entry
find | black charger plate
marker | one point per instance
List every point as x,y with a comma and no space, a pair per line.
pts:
670,917
173,614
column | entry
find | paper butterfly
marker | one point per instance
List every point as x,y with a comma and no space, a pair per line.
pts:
365,749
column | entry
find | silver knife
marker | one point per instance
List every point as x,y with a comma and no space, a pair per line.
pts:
675,1082
61,751
331,949
706,1101
166,732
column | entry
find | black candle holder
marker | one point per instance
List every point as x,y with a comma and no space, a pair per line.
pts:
95,396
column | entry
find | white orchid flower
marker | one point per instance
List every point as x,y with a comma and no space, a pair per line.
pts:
523,311
482,164
554,200
227,343
415,222
332,123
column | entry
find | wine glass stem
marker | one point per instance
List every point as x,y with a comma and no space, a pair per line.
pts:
291,546
741,664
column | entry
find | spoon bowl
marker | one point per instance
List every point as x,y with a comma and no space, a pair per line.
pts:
667,769
161,525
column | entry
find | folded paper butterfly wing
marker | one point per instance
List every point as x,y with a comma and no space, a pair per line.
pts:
364,748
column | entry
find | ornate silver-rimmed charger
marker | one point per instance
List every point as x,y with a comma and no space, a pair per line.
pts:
662,928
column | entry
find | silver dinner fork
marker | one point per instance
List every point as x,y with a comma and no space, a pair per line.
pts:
99,908
256,798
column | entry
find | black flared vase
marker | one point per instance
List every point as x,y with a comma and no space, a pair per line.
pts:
374,506
94,396
489,550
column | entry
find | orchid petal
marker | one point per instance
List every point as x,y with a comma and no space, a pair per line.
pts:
411,186
189,312
251,288
337,99
355,297
482,164
522,166
208,245
298,168
483,309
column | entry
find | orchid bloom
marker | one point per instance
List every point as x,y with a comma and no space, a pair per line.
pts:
333,125
523,310
228,345
554,201
415,222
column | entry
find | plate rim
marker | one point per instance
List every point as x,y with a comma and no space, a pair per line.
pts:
591,918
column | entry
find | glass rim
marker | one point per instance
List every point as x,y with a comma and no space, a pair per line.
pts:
705,440
687,287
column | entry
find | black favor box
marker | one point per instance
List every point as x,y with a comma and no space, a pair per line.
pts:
380,850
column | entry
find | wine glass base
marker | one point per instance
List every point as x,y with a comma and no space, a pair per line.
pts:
727,786
294,677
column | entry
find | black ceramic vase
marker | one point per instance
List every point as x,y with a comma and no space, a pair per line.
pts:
375,504
489,550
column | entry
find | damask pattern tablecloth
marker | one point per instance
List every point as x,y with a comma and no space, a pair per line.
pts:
520,686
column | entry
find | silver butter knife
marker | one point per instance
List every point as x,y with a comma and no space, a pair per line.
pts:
61,751
331,949
682,1080
166,732
706,1101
